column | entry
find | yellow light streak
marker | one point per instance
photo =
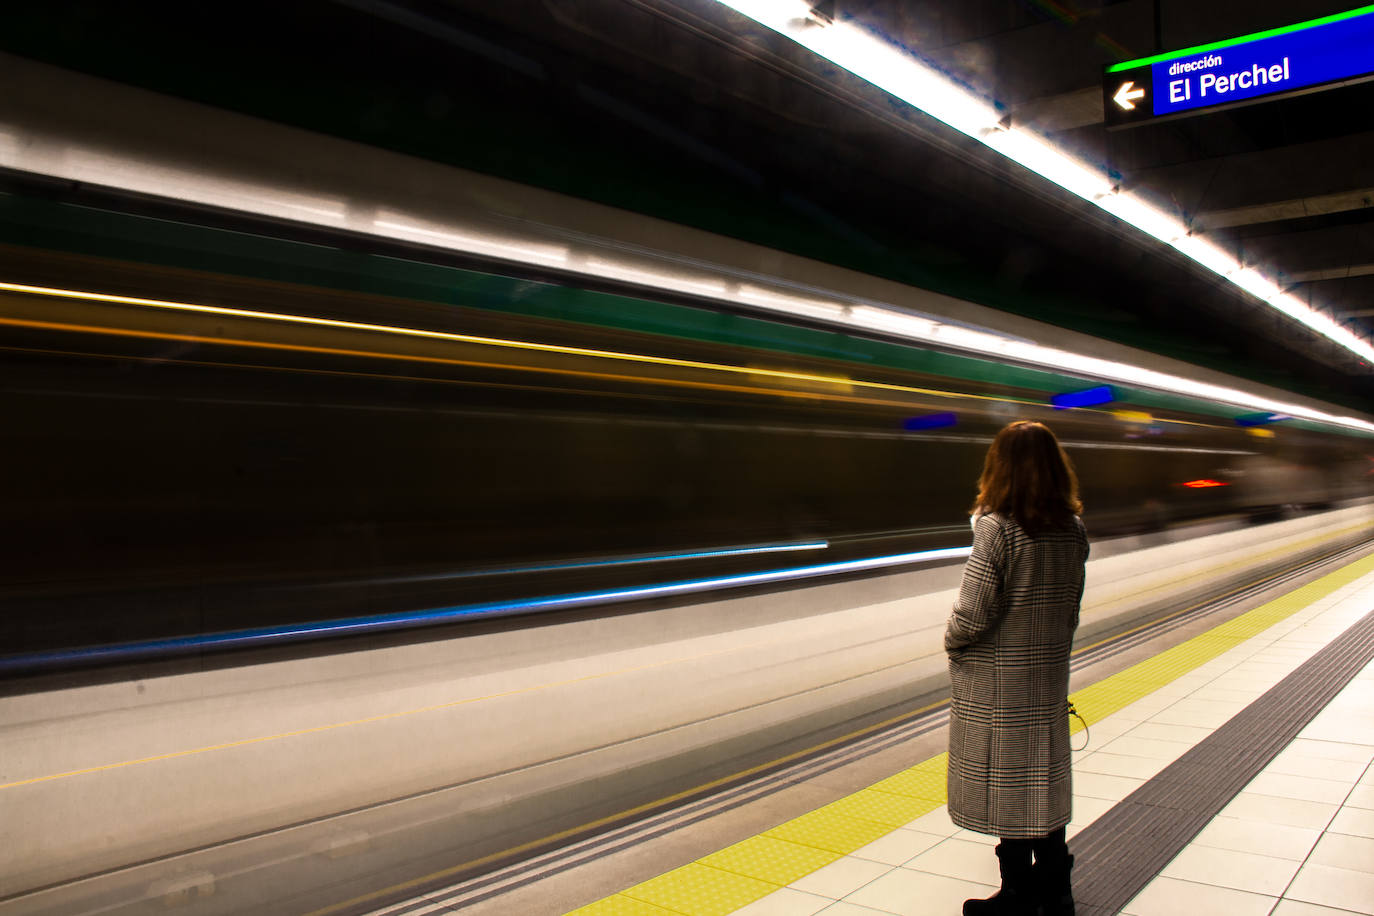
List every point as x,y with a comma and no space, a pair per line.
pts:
442,380
304,320
469,363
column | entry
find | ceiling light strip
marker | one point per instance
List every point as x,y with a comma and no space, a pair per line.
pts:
926,87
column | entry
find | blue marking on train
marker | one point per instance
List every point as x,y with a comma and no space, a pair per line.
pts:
1260,419
1089,397
930,421
238,639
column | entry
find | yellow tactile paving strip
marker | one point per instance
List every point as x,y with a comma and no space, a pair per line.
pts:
736,876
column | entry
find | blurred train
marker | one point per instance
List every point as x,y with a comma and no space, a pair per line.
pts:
232,403
169,475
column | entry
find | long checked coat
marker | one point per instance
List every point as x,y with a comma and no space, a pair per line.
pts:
1008,642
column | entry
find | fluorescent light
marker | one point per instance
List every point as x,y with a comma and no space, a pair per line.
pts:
924,86
1148,219
1038,156
1207,254
882,64
917,83
1256,284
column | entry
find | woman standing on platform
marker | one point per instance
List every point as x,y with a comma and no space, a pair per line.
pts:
1008,641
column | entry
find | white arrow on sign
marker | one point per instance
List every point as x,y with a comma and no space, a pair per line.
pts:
1126,97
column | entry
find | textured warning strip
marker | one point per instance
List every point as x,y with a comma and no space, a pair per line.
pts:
1123,850
727,880
740,874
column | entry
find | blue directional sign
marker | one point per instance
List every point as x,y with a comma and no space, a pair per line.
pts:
1325,52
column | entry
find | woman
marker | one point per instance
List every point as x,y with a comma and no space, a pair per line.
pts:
1008,642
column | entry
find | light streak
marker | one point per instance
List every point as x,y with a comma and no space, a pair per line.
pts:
524,252
310,321
596,564
273,635
654,278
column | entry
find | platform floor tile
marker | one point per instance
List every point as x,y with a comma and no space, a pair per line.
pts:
786,901
1173,897
1302,809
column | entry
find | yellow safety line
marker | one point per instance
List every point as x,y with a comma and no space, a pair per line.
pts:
724,881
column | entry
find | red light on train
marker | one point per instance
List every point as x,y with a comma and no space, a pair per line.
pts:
1203,483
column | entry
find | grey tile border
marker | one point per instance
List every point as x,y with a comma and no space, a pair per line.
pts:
1124,849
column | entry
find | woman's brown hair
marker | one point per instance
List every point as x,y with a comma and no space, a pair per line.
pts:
1027,475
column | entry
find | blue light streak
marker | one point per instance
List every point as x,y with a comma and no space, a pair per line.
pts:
618,561
285,633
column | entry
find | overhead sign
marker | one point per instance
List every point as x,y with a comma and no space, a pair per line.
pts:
1322,53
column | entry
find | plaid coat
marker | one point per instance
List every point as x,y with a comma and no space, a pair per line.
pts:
1008,642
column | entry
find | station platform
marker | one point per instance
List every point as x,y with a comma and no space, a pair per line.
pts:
1232,773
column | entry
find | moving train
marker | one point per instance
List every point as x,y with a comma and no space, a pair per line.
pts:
234,403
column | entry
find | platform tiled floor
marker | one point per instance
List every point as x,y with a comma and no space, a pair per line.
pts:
1298,841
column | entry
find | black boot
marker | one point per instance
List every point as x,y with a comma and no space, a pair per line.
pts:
1051,877
1017,897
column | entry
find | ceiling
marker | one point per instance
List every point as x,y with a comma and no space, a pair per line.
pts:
683,109
1289,185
